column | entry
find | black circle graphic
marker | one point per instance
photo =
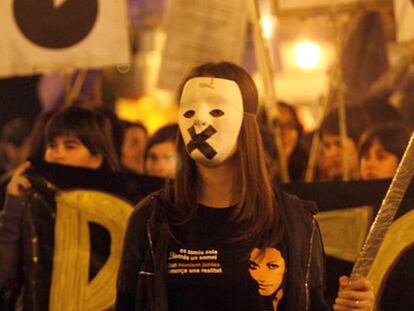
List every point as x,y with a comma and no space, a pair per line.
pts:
55,27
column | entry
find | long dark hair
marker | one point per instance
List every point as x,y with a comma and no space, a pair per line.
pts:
163,134
256,212
91,127
299,156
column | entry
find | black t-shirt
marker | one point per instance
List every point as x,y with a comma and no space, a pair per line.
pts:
207,272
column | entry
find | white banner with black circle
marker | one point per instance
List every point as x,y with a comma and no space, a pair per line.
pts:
40,36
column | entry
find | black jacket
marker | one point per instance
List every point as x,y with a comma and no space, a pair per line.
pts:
142,279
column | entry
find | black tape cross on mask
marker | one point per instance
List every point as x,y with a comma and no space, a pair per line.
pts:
198,141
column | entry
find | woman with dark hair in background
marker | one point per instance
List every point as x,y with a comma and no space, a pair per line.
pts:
381,148
292,140
14,143
134,140
32,144
291,131
160,154
14,146
197,244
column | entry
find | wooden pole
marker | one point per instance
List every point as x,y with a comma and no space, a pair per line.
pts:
68,86
266,71
341,96
316,139
75,89
386,213
335,82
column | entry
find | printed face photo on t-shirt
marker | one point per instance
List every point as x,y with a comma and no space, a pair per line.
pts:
210,118
267,267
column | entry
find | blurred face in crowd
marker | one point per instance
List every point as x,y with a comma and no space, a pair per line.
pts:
288,129
133,147
69,150
15,154
330,157
161,160
378,163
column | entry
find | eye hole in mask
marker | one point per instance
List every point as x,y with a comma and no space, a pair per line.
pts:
216,113
189,114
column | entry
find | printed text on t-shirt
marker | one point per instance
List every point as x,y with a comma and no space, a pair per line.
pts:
188,261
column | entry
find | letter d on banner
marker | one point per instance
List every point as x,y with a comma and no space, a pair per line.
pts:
71,289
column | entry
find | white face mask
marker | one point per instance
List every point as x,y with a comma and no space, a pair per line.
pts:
210,118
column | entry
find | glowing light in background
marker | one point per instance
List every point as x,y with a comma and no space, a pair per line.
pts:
147,110
307,55
269,23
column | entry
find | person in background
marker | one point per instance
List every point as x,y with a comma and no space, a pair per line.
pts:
292,135
381,148
329,165
291,131
198,244
116,127
133,146
14,143
160,153
74,136
14,149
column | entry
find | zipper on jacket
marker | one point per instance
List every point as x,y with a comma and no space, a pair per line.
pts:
150,242
149,237
151,246
34,253
308,266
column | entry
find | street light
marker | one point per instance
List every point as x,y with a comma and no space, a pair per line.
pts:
307,54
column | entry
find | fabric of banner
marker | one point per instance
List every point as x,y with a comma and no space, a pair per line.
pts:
72,243
211,30
38,37
70,285
338,240
398,242
306,4
404,16
73,220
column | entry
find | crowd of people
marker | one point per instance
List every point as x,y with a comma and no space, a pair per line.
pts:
140,153
372,138
220,199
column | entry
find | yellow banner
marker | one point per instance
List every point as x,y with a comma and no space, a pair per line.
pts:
71,289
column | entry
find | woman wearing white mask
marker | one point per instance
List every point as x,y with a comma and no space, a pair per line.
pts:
190,246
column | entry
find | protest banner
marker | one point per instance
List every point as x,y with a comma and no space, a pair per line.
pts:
40,36
198,31
93,207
